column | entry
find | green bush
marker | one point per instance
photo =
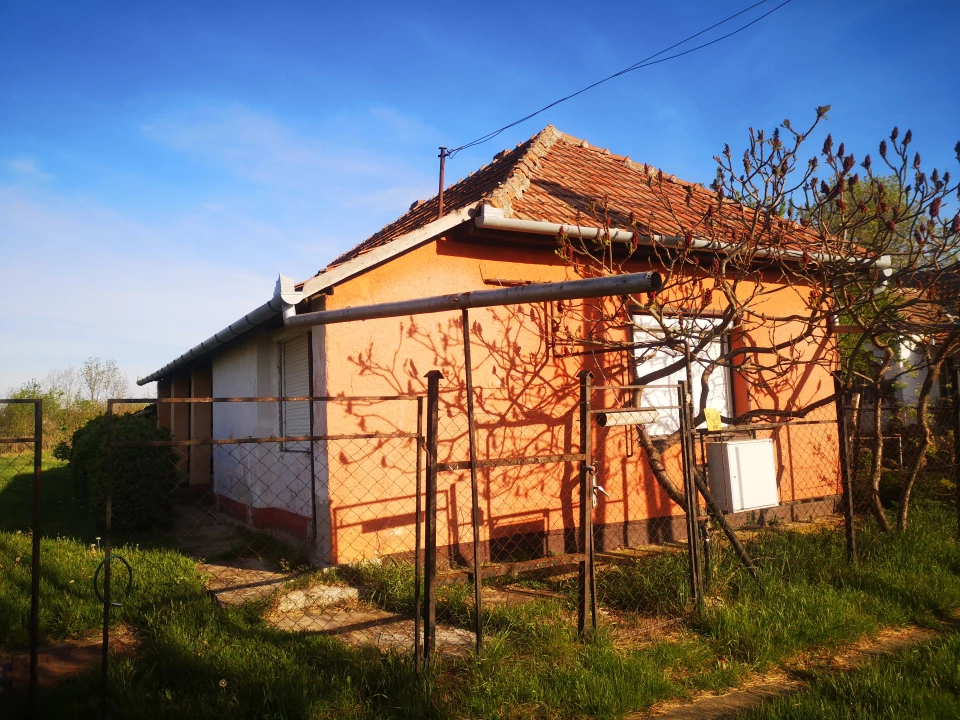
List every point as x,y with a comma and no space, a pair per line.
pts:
144,478
62,450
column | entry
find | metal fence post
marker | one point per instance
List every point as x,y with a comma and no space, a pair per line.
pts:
587,602
474,493
690,494
108,483
35,567
956,441
430,544
417,560
845,476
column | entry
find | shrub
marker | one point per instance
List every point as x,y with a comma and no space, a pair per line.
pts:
144,478
62,450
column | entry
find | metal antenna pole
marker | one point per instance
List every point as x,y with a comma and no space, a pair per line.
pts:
443,162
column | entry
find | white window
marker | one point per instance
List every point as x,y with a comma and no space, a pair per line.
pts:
648,330
295,382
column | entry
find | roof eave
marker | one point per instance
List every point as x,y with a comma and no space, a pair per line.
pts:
286,297
379,255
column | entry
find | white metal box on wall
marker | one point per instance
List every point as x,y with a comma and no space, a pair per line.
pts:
743,474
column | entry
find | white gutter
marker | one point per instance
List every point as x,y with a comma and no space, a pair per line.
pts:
491,218
286,297
283,303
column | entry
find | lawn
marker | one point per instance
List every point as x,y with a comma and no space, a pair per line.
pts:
196,660
922,682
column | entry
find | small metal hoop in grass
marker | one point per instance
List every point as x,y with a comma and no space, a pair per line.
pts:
96,578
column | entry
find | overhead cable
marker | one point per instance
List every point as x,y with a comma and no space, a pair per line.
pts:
646,62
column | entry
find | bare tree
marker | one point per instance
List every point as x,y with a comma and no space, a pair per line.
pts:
102,379
776,231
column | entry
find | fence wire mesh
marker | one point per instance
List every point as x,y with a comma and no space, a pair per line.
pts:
639,531
319,533
527,453
20,444
800,515
313,533
899,461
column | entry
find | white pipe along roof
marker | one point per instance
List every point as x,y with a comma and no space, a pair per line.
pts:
491,218
284,299
488,217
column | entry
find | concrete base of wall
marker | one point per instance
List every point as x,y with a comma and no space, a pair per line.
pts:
799,511
266,518
533,545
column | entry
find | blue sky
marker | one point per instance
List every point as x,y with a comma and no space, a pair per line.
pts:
161,163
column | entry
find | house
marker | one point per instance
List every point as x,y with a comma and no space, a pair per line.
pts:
498,228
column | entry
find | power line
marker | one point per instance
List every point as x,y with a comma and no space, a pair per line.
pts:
646,62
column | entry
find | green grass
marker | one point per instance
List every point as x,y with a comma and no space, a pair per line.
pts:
195,660
68,604
922,682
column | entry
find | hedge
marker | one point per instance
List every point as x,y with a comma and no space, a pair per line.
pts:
144,478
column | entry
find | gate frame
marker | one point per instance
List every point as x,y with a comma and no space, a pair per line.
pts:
37,440
111,444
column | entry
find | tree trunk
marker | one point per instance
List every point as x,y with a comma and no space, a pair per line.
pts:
655,459
921,459
876,466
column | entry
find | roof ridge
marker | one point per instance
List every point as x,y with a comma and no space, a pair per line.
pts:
519,178
519,163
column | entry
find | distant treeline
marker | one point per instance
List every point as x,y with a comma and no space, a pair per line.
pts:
71,398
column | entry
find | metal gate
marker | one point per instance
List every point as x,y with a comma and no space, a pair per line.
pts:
321,531
20,452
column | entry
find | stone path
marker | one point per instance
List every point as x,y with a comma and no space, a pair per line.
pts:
331,609
236,582
372,626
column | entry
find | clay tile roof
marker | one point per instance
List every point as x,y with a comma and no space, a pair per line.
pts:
484,184
932,298
558,178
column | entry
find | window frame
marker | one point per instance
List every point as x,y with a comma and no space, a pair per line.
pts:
724,342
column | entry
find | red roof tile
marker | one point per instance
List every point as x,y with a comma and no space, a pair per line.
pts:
558,178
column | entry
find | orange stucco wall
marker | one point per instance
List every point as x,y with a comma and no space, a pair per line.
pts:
527,395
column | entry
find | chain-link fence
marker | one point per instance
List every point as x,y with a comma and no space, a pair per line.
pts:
316,532
528,453
640,525
583,505
899,461
801,455
21,443
539,485
779,482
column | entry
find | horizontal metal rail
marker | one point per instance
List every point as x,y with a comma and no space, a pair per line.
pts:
672,386
614,285
319,398
557,563
256,440
19,401
509,462
763,426
601,411
17,440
